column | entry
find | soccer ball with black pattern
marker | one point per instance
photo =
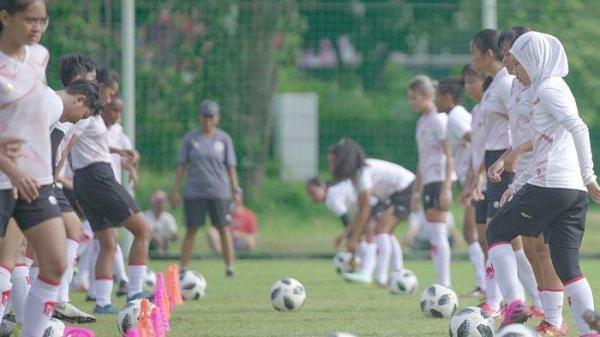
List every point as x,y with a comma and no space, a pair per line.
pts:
129,316
287,294
150,281
471,322
55,328
517,330
342,262
438,301
403,282
193,285
8,325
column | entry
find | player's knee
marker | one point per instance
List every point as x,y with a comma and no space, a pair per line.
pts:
55,267
566,262
108,246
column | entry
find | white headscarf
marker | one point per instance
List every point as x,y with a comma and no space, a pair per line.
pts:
541,55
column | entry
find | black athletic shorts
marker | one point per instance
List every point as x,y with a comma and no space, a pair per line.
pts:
104,201
480,210
70,195
431,195
399,200
196,208
494,191
27,215
63,203
559,213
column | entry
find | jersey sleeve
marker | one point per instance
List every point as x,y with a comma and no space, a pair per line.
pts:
230,158
441,127
363,180
335,203
459,127
184,152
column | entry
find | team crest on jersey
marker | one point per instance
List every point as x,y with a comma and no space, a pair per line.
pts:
52,200
219,146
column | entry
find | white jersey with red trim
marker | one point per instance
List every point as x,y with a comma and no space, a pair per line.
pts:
431,133
459,125
478,142
22,95
92,145
494,104
519,114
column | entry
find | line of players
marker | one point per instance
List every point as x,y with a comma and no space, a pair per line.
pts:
43,131
522,141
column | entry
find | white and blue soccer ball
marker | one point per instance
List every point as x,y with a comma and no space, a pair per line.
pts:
55,328
287,294
517,330
345,262
471,322
129,316
193,285
438,301
403,282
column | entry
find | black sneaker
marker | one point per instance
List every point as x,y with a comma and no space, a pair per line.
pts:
70,313
229,273
89,298
123,288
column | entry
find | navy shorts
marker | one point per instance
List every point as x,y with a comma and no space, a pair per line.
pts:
494,191
104,201
399,201
480,210
27,215
431,195
63,203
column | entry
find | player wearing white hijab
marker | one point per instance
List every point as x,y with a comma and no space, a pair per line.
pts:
561,166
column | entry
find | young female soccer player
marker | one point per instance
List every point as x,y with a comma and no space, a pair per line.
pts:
212,182
486,56
561,166
23,60
449,99
435,170
392,185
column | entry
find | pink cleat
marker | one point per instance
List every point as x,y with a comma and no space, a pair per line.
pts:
489,310
536,312
547,329
515,312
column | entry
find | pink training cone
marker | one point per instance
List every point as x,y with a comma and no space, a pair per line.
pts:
73,331
159,302
145,322
133,332
157,323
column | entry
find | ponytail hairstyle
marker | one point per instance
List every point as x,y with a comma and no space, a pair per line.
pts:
348,159
16,6
487,39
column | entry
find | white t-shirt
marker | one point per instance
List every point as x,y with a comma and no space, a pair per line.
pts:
117,139
494,104
341,198
92,145
459,124
431,132
554,162
164,225
478,143
22,95
519,114
382,178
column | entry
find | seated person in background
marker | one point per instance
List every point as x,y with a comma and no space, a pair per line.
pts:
416,237
243,227
164,226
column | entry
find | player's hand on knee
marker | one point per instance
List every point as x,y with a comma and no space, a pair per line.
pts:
594,191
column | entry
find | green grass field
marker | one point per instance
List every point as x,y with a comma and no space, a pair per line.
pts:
241,306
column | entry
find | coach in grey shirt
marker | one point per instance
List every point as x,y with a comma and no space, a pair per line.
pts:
211,183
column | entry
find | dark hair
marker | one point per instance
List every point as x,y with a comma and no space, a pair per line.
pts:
453,87
90,90
74,65
487,39
511,35
487,82
106,76
16,6
469,70
348,158
315,181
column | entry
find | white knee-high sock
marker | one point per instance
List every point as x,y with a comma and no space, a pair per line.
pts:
103,291
368,264
119,265
39,307
492,291
34,271
505,267
580,298
5,289
360,251
65,281
397,262
527,278
478,262
384,253
440,251
136,279
552,303
20,290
